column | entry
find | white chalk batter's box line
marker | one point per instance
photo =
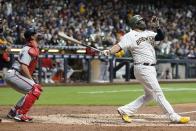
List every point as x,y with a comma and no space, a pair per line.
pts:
168,89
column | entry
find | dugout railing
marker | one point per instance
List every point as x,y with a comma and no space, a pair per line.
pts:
188,64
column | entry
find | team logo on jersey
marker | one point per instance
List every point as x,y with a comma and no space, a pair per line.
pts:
149,39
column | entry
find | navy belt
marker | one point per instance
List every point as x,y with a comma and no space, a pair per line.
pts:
146,64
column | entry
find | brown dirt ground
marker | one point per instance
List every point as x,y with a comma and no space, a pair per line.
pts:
95,118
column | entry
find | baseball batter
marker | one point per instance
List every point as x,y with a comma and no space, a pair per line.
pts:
140,42
19,77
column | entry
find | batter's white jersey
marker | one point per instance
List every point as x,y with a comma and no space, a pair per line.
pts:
141,45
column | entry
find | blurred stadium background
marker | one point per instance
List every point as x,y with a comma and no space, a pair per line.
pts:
101,24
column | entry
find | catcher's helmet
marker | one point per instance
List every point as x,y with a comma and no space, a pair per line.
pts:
29,32
135,22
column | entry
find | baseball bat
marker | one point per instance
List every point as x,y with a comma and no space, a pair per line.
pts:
63,35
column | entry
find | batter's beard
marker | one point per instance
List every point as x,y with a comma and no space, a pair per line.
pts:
141,25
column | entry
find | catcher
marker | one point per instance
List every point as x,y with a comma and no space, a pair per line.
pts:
19,77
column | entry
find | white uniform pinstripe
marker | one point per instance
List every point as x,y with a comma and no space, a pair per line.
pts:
141,46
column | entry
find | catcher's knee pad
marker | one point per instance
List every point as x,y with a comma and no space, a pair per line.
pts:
30,99
36,90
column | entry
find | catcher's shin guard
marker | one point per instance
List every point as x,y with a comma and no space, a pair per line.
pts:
30,99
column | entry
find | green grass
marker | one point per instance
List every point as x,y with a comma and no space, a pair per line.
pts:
101,95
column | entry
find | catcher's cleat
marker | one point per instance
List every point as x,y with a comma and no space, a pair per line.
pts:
184,120
23,118
11,114
125,117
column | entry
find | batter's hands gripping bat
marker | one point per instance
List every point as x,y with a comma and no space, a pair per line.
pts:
63,35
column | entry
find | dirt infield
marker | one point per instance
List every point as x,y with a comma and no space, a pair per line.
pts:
97,118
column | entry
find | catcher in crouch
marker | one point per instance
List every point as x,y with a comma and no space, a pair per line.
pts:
19,77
